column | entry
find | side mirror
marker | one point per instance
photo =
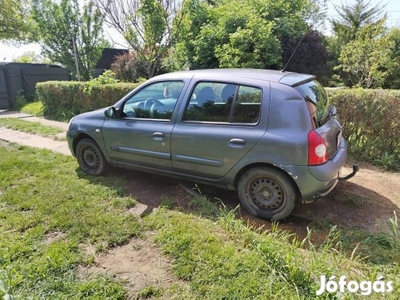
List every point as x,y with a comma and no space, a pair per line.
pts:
332,111
110,112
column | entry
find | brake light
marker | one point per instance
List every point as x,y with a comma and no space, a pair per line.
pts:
317,150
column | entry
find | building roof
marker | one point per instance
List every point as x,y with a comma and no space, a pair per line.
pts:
108,57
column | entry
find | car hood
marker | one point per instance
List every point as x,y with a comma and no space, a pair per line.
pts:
95,114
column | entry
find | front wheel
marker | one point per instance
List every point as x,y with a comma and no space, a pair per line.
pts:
90,158
267,193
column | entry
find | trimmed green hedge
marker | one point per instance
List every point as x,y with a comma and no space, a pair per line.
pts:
62,99
370,118
371,122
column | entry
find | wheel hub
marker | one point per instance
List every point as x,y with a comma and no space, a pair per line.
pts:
267,194
90,158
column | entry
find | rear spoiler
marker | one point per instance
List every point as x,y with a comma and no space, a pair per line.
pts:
295,79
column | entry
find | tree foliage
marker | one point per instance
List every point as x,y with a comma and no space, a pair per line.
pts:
59,24
13,21
352,18
32,57
393,73
129,67
249,33
366,59
306,55
145,26
349,44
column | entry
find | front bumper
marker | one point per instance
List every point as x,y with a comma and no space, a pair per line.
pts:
70,141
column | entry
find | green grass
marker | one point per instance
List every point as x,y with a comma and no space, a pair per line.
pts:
31,127
33,108
222,257
42,194
50,212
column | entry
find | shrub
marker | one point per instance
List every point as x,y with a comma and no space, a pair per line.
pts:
129,67
370,119
62,100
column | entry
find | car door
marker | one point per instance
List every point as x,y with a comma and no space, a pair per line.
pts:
218,126
142,134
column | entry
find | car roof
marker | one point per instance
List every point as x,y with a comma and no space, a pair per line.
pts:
283,77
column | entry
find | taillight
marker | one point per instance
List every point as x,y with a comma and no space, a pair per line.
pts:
317,150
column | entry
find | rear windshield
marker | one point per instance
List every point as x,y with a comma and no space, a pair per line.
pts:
317,100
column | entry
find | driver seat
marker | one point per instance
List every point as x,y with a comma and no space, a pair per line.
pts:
205,95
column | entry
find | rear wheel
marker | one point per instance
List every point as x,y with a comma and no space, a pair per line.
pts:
267,193
90,158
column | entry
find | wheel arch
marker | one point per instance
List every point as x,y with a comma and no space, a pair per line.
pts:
80,136
266,165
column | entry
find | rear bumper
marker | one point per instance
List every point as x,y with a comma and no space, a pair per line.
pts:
318,181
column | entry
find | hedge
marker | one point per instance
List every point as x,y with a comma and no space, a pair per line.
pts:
370,118
371,122
62,100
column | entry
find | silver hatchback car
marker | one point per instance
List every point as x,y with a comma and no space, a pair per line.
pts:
270,135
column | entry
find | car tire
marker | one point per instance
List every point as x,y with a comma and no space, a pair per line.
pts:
267,193
90,158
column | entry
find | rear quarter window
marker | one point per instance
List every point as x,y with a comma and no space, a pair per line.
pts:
317,101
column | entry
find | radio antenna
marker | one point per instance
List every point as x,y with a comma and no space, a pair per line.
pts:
294,51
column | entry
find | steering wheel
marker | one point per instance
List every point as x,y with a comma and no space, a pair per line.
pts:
129,112
149,102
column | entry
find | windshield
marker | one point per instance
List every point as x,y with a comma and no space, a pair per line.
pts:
317,100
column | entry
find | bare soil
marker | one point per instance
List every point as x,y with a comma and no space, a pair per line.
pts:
138,264
365,202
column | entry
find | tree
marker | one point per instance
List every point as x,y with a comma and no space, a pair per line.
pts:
228,33
145,25
193,15
13,21
315,14
353,18
306,55
31,57
393,78
129,68
61,28
366,59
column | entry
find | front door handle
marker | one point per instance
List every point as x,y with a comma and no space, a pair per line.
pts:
237,143
158,135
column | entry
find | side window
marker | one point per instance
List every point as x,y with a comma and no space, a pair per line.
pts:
155,101
226,103
206,104
247,105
